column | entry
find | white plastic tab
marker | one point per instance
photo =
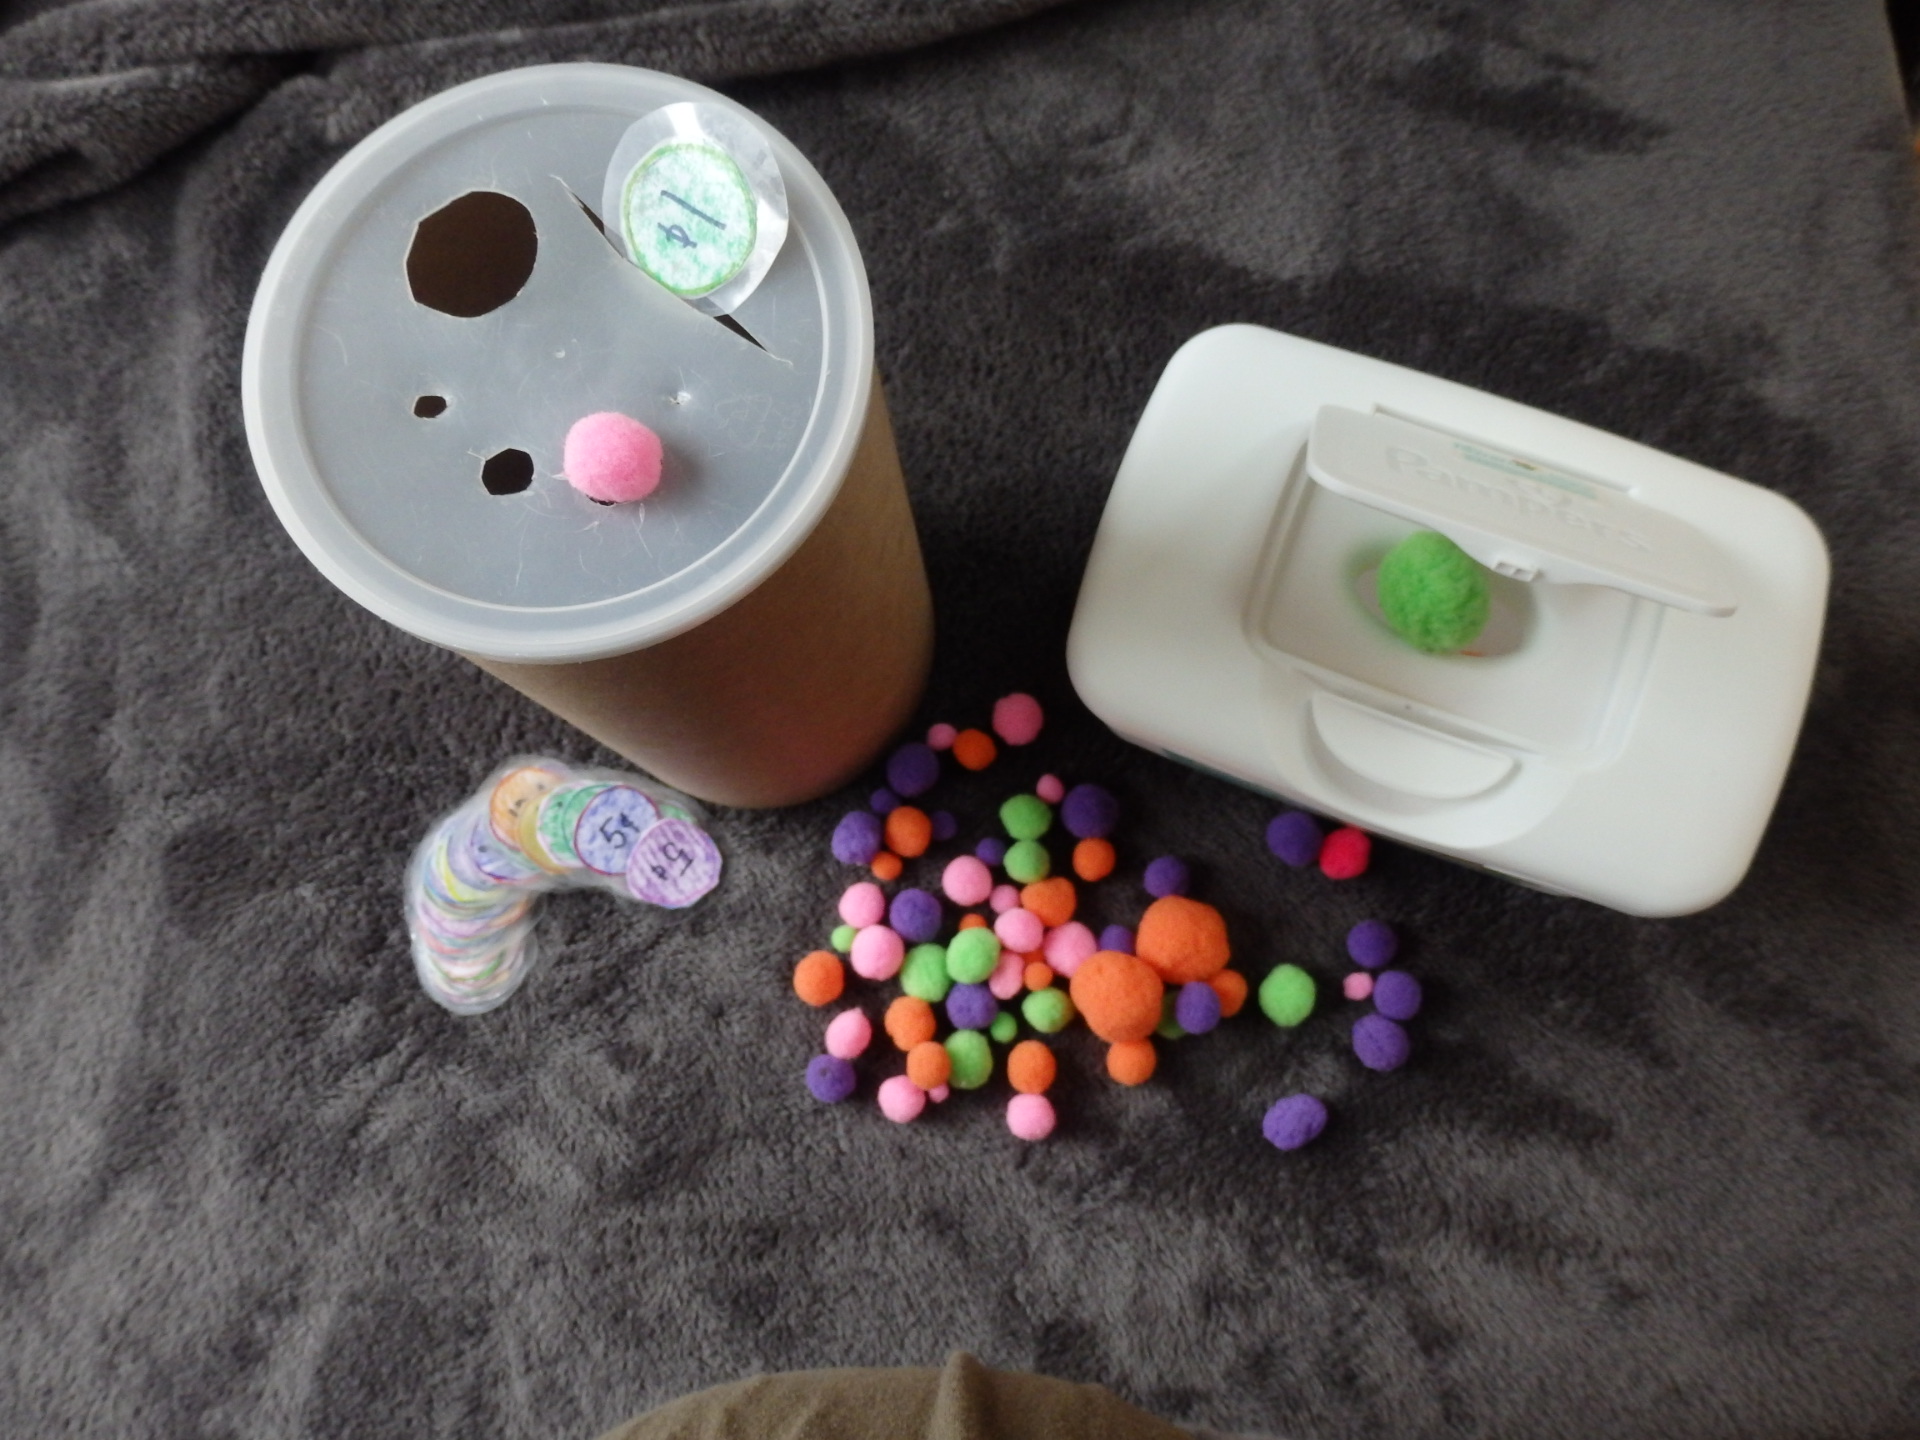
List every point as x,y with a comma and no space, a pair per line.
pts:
1514,515
1403,756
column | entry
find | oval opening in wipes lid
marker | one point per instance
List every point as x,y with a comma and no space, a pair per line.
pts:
378,421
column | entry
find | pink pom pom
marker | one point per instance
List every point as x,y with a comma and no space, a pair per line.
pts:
1067,947
1020,930
966,880
864,904
612,457
939,1094
1017,719
940,737
1051,789
877,953
901,1100
1009,977
1357,986
1003,899
848,1034
1030,1117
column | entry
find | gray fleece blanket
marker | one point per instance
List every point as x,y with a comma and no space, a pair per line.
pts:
1641,1179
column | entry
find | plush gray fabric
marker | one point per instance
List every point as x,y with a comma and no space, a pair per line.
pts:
1643,1178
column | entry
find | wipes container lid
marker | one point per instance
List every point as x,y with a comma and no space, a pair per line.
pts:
446,303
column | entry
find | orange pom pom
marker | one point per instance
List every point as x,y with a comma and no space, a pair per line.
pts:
909,831
909,1023
929,1064
1118,994
819,978
1184,940
1031,1067
1093,859
1131,1062
1231,987
1052,899
1038,975
974,750
971,921
886,866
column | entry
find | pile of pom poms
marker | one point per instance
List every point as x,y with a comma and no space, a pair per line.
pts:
1013,957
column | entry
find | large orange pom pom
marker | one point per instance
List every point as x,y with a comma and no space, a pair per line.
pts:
1182,939
1118,994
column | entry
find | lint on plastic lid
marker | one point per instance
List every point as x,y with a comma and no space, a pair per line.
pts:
1516,515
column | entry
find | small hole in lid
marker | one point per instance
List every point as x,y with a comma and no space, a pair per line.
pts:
473,254
507,473
429,406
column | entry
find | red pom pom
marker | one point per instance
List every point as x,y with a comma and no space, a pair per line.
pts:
1345,853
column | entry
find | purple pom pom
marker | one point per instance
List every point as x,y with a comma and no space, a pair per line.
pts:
830,1078
1294,1121
1167,876
945,827
1372,944
856,839
991,851
1396,995
913,770
1295,837
915,914
971,1007
1196,1009
1380,1044
1089,812
884,801
1117,937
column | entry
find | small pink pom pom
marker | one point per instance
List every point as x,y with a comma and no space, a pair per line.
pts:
848,1034
1051,788
939,1094
940,737
966,880
1067,947
1003,899
878,952
611,457
1030,1117
901,1100
864,904
1009,977
1357,986
1020,930
1017,719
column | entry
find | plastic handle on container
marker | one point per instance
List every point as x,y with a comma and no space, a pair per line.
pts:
1518,516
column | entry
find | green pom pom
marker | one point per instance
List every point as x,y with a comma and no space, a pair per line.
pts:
1004,1027
972,1060
924,975
843,938
1433,593
1026,817
971,956
1049,1011
1027,861
1287,995
1168,1028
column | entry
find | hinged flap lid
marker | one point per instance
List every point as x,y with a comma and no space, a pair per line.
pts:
1517,516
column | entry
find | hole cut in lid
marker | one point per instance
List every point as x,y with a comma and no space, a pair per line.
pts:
472,255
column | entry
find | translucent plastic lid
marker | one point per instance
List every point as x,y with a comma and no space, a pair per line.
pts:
1519,516
444,306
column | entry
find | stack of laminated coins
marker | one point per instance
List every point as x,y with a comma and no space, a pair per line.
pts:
540,825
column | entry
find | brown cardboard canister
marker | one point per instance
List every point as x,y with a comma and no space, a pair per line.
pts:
754,631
